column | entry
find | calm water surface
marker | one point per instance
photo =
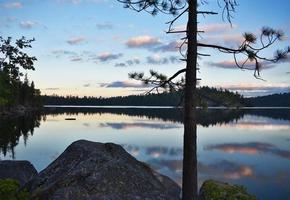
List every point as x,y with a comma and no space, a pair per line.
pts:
247,147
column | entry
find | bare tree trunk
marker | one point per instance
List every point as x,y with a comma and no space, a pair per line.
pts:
189,179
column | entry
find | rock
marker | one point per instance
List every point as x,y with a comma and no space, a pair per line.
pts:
211,190
90,170
23,171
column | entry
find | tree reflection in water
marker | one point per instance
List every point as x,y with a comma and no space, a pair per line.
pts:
13,128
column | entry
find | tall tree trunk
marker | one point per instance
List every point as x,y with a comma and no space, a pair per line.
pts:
189,179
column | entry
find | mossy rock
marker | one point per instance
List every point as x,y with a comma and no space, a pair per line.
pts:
9,190
214,190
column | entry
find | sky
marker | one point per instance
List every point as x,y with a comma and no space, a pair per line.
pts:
88,47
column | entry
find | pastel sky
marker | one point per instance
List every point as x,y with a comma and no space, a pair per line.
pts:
88,47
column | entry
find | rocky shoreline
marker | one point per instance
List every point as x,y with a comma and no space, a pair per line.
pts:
91,170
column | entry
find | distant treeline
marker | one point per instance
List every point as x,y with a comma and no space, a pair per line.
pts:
206,97
274,100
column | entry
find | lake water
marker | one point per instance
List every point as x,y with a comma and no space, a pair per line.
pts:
250,147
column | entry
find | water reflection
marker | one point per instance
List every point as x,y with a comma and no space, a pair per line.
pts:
248,147
138,125
11,129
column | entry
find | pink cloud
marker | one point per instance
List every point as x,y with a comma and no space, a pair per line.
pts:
142,42
217,27
76,40
107,56
231,64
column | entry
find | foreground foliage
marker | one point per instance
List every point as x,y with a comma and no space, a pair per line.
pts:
214,190
9,190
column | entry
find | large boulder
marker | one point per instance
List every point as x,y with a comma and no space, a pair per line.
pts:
90,170
215,190
22,171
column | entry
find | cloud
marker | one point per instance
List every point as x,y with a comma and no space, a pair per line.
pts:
230,64
130,62
28,24
105,25
85,55
251,148
153,44
133,61
143,42
60,52
76,40
12,5
217,27
287,72
107,56
211,28
120,65
231,40
123,84
169,47
87,85
157,59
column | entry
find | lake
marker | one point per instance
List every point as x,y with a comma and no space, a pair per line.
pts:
249,147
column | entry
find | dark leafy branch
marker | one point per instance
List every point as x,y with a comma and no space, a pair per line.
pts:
13,57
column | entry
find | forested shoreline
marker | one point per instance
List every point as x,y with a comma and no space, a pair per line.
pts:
206,97
17,93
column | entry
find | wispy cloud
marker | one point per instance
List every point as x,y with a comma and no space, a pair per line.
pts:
143,42
123,84
107,56
76,40
12,5
231,64
61,52
172,46
230,40
217,27
104,25
130,62
28,24
213,28
156,59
